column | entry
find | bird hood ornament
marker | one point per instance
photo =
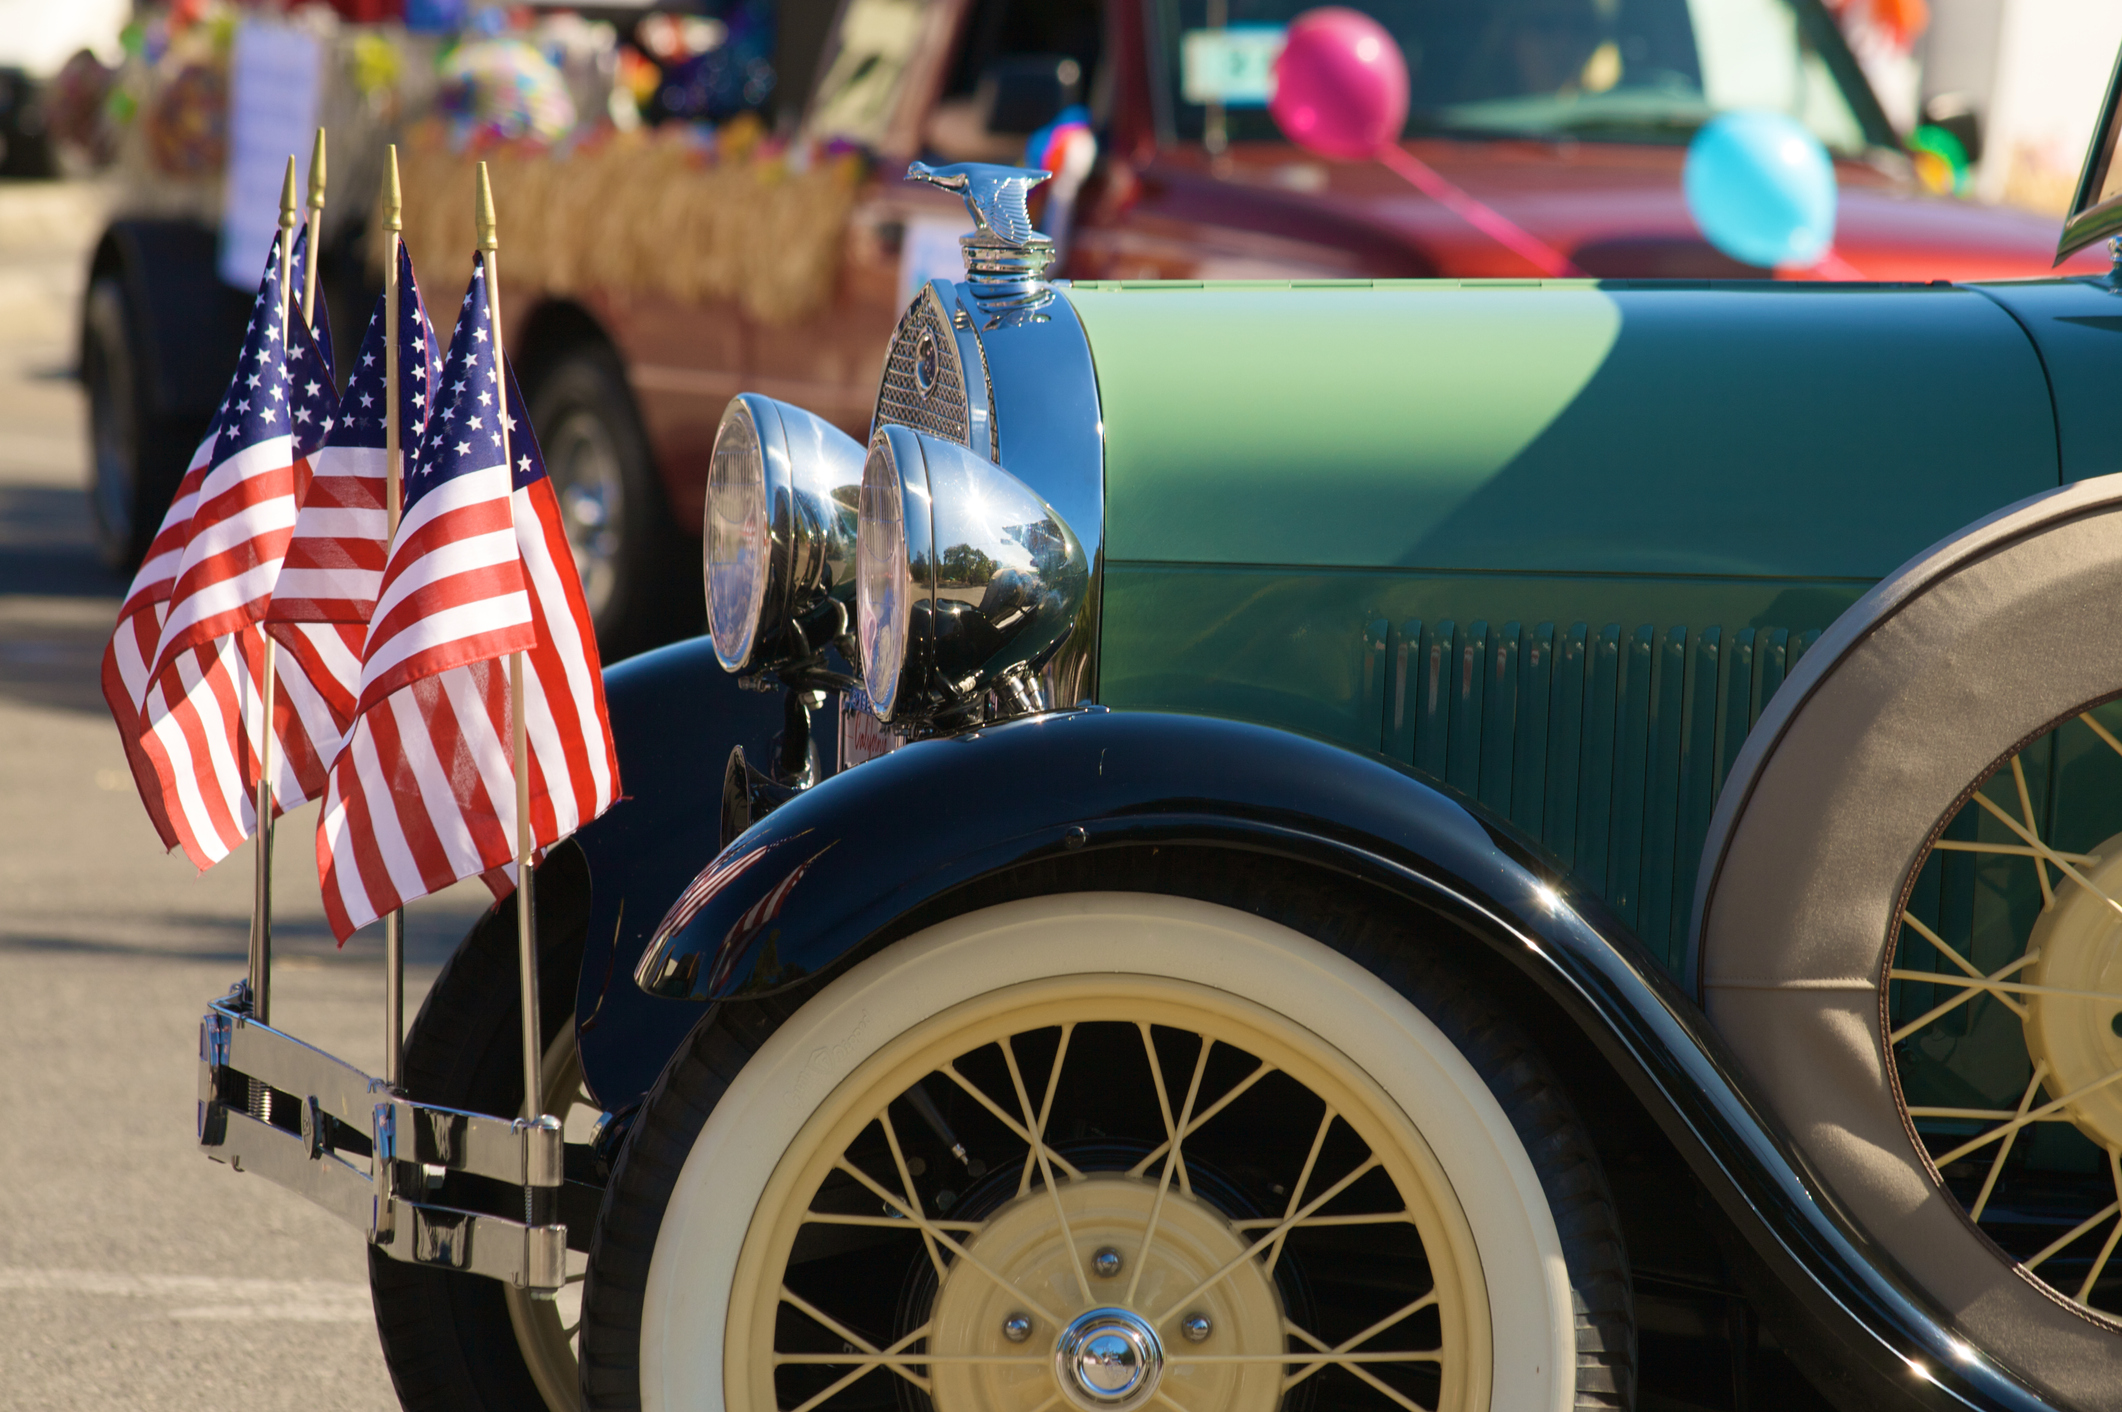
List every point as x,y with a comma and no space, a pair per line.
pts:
1005,259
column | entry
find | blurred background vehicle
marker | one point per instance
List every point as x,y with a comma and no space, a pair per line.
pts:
702,198
36,42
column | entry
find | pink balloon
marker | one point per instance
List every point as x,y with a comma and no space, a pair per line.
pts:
1340,84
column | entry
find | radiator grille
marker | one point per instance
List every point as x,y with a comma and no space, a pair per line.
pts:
944,410
1608,745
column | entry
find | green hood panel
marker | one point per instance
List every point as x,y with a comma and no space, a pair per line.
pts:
1756,429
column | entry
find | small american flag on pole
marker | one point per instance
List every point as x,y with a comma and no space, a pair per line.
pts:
128,661
341,541
423,791
190,709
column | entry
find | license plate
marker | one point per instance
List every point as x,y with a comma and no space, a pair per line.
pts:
862,737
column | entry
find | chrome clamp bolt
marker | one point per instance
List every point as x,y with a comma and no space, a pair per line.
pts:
1196,1327
1106,1263
1017,1327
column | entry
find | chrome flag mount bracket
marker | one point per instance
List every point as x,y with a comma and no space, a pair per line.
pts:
344,1129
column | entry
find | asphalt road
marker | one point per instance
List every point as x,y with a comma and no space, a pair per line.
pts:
133,1272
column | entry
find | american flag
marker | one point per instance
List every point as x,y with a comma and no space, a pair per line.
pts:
196,723
319,320
423,792
328,582
129,659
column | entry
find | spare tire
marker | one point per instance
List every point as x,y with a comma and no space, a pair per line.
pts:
1814,879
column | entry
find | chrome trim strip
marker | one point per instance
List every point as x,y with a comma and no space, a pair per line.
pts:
1050,433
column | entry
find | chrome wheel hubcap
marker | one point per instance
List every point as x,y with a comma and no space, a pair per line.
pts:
1109,1360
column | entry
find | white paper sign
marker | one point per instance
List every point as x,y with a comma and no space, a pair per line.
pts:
272,114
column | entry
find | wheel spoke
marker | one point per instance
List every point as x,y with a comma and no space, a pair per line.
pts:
874,1360
1973,972
1364,1169
2092,1276
2074,1232
2013,850
1164,1106
1365,1218
2101,731
1345,1351
2023,1119
2026,812
1046,1171
1357,1370
913,1198
835,1218
2004,989
1996,1166
1189,1129
1046,1107
1176,1161
1296,1192
949,1242
1023,1133
2043,850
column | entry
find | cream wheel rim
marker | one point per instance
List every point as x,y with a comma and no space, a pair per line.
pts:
1035,1253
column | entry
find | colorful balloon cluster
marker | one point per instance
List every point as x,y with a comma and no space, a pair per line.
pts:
505,90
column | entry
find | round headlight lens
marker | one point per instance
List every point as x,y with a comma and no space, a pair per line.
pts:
883,597
734,544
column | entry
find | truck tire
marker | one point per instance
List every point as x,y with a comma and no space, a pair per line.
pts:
456,1342
137,455
640,574
757,1246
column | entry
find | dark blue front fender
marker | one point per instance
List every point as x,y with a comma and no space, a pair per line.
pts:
832,872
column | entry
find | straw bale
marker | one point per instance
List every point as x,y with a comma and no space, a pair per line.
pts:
643,214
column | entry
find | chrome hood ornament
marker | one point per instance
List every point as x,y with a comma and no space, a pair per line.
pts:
1005,259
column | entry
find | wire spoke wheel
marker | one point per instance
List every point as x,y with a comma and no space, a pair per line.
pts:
548,1330
1103,1196
2003,1009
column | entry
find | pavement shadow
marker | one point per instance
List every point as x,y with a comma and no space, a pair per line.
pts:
432,935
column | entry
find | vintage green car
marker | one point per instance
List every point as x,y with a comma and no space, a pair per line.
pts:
1342,845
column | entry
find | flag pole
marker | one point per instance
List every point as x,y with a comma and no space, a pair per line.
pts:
261,941
316,231
526,933
393,497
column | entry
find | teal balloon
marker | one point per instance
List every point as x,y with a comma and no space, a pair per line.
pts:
1761,189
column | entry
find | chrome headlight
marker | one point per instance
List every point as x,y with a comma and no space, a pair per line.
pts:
966,580
779,534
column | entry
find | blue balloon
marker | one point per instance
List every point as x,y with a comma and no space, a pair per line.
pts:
1761,189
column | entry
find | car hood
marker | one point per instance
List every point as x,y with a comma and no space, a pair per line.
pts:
1617,211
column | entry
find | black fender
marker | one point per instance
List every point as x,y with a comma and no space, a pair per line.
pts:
675,716
177,306
844,866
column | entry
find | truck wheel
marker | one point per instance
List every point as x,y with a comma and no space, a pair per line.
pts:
463,1343
640,575
1910,932
1096,1149
136,457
